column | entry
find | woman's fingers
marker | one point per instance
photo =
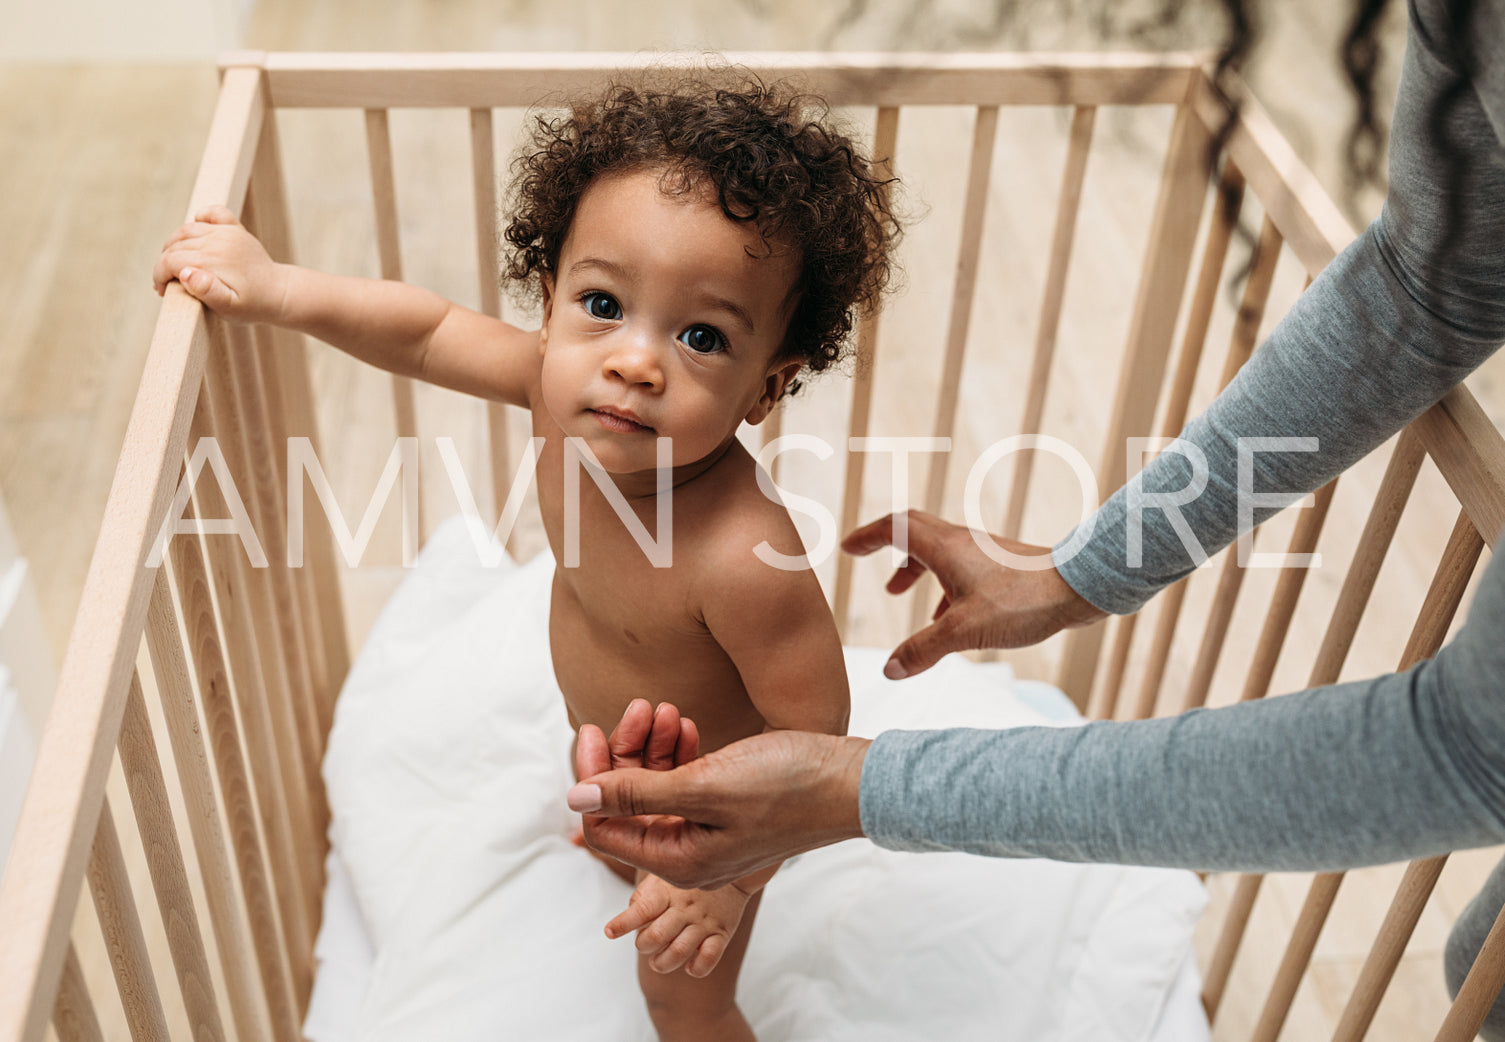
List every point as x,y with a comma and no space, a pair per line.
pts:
927,647
906,576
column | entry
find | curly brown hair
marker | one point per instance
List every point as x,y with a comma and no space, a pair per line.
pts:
768,152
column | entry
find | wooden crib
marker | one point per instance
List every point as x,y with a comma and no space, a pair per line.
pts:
201,692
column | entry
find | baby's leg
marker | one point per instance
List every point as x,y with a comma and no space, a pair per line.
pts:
690,1009
623,871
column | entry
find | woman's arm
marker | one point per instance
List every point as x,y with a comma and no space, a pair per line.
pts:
1401,766
1413,306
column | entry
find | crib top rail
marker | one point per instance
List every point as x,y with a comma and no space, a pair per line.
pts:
469,80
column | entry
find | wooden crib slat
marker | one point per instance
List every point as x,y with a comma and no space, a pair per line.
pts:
248,401
1231,576
1104,703
164,859
1070,202
1298,954
73,1013
1444,595
1470,452
389,250
963,290
258,349
1220,968
773,429
1193,340
257,660
1173,233
248,1003
1226,209
298,710
51,841
290,397
1277,623
885,142
1220,614
1480,988
1400,922
1358,583
206,657
1379,530
450,80
110,885
1257,682
483,176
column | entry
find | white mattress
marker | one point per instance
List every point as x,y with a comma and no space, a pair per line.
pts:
457,908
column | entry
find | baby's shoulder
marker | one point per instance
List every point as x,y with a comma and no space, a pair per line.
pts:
738,533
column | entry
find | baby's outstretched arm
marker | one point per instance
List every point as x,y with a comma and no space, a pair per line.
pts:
403,329
681,928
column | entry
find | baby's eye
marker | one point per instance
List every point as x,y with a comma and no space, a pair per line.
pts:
602,305
704,340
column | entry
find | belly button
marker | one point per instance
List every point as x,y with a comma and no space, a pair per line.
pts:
631,636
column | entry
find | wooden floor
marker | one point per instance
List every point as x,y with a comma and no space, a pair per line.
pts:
98,163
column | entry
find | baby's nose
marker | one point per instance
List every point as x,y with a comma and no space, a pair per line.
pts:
635,361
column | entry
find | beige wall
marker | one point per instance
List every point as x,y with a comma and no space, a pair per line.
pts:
120,30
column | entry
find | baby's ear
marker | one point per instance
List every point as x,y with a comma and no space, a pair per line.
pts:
774,384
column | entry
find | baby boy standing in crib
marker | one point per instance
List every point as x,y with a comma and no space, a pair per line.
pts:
695,247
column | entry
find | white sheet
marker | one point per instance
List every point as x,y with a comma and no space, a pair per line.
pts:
458,909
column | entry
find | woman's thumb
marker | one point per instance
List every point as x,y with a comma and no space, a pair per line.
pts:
626,793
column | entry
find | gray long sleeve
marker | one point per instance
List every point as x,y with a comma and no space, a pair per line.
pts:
1390,326
1360,773
1408,765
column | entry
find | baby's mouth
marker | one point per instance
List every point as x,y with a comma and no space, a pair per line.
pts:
621,422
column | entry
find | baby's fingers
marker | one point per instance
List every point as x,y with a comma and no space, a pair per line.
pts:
708,957
216,215
677,952
208,288
641,911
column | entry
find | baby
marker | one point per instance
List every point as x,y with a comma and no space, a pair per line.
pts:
695,246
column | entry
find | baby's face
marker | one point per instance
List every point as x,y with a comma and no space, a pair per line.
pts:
665,319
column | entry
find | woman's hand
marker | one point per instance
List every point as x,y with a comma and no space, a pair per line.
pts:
983,604
727,814
224,266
